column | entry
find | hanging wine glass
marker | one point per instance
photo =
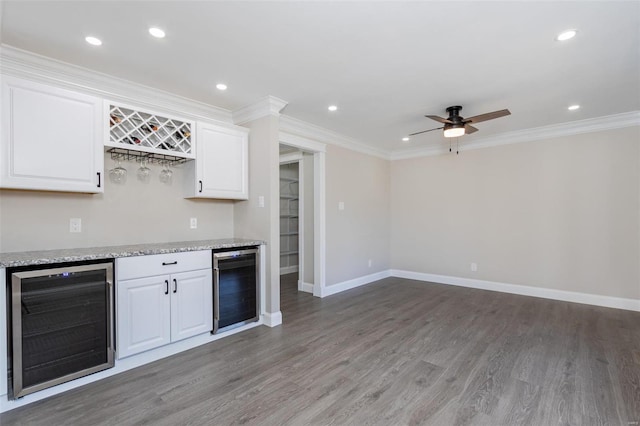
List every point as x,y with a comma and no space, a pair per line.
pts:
166,174
144,172
118,174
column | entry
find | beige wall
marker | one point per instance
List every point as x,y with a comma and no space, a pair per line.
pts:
307,182
125,214
361,231
253,221
561,213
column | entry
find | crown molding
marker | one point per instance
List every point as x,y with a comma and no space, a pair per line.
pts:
21,63
590,125
301,128
269,105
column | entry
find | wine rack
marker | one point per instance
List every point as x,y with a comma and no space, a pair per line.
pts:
142,131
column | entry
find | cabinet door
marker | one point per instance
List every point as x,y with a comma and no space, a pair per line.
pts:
191,304
222,163
143,314
51,138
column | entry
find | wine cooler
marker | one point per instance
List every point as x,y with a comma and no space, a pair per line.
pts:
235,288
61,324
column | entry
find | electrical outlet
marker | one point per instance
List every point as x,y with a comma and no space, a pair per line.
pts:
193,223
370,263
341,205
474,267
75,224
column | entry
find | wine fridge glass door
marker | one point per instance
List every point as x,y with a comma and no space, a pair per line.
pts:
61,325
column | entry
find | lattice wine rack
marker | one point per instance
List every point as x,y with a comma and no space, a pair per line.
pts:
141,131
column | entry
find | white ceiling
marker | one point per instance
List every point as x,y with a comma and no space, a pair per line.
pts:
385,64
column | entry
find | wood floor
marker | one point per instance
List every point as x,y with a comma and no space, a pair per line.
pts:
393,352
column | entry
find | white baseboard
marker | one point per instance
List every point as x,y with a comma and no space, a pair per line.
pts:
356,282
273,319
545,293
306,287
288,269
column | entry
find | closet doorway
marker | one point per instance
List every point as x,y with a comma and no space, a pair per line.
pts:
296,218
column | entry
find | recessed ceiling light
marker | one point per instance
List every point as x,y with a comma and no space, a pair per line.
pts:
566,35
405,139
156,32
332,108
573,107
221,86
93,40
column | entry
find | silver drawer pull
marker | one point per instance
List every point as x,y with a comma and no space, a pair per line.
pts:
169,263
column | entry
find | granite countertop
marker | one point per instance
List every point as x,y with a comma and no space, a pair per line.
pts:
27,258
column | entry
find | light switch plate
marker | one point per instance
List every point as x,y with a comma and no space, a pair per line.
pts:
341,205
193,223
261,201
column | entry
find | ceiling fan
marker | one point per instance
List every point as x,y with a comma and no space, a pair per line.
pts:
455,125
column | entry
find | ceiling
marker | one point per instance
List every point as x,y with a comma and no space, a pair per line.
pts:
384,64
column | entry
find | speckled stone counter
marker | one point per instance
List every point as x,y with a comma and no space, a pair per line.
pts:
27,258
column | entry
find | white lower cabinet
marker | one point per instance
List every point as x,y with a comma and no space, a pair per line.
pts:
161,309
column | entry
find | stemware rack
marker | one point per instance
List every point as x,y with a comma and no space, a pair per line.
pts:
135,130
121,154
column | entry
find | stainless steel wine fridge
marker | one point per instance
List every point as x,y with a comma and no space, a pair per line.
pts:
61,324
235,288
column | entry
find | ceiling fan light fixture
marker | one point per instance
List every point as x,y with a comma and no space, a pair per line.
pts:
453,131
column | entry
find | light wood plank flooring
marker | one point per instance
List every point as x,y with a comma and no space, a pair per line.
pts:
393,352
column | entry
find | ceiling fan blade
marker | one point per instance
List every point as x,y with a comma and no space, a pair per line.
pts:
487,116
439,119
425,131
468,129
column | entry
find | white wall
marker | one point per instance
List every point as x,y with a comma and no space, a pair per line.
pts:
131,213
561,213
361,231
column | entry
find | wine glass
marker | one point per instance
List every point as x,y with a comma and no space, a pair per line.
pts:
166,174
144,172
118,174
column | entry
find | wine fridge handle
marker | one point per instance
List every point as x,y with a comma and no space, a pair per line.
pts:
216,299
166,288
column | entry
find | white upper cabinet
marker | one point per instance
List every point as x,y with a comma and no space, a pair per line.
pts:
221,168
51,138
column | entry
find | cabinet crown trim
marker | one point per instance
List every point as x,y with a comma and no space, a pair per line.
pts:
269,105
43,69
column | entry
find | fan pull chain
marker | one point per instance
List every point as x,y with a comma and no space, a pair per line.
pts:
457,146
449,144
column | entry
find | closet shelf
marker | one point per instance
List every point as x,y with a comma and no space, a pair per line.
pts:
290,180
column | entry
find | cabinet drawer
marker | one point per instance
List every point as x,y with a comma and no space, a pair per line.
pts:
160,264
